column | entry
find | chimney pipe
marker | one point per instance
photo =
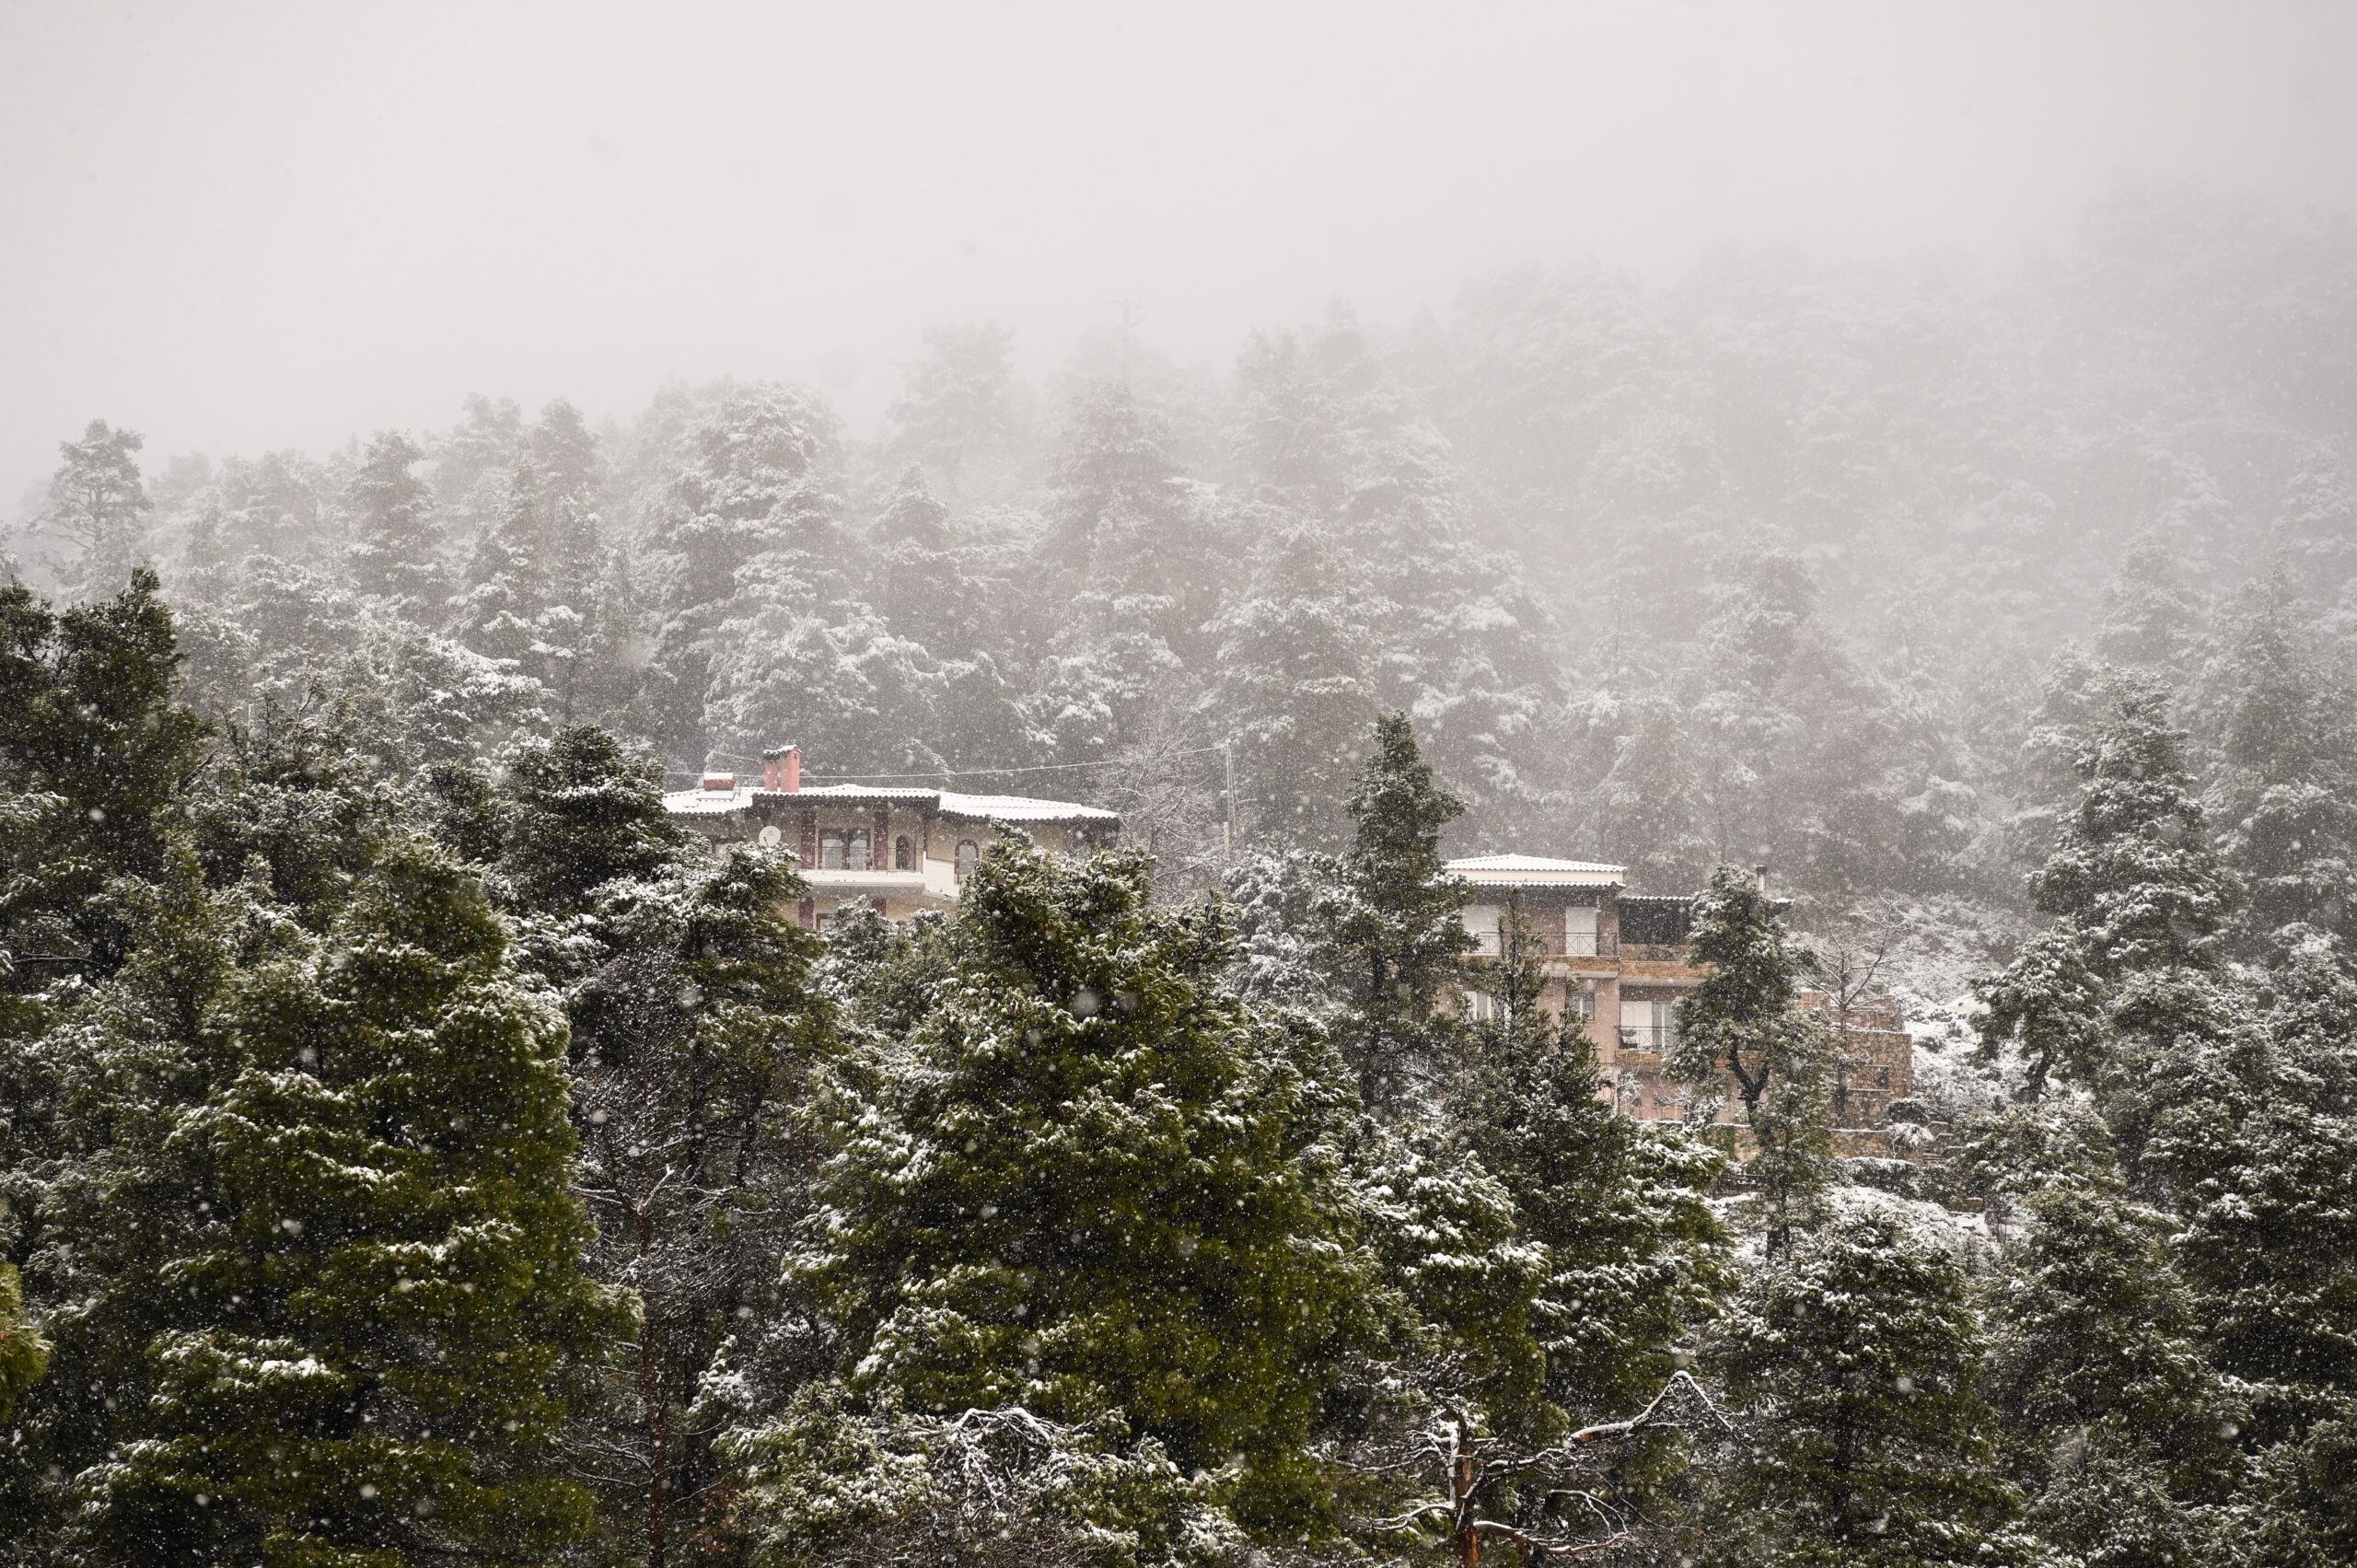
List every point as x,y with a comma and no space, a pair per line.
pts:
1760,872
782,769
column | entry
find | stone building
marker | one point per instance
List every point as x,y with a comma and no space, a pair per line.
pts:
899,850
1620,961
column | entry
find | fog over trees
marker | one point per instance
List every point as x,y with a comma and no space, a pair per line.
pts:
420,1140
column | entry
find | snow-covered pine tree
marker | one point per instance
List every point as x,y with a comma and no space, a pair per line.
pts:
1857,1357
2132,867
1089,1182
1634,1256
1391,927
958,401
96,750
396,535
753,477
2285,787
1740,1026
1292,688
2116,1423
2048,1008
97,504
327,1297
695,1021
582,811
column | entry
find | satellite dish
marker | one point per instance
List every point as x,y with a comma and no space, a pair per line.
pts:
770,836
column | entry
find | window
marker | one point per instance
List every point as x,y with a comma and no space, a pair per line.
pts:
834,852
1483,920
1648,1026
1579,931
858,857
903,857
1583,1005
969,852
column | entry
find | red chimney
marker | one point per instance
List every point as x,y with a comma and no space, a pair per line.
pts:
782,769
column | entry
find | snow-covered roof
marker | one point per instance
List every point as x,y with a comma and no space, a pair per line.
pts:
1536,871
949,803
1020,808
706,802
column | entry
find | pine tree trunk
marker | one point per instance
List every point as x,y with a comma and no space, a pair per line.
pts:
1469,1540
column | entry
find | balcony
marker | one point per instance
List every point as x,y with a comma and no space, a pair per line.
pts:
1577,945
849,879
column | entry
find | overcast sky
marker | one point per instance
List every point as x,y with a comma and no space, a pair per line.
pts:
234,227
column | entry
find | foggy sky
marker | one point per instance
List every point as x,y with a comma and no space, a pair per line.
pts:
234,227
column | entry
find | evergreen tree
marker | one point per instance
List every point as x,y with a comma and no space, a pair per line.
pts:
327,1300
1634,1254
584,812
1466,1326
2049,1008
695,1022
1090,1183
1292,691
2132,869
24,1355
566,459
839,1484
1740,1026
960,400
2097,1356
505,612
396,535
2287,765
1391,925
1857,1356
751,480
98,505
693,1037
91,736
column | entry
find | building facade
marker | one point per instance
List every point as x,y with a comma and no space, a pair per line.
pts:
1620,961
899,851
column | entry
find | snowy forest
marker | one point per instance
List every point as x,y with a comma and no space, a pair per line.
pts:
416,1146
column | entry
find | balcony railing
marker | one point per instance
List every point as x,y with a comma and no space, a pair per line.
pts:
1578,944
1648,1037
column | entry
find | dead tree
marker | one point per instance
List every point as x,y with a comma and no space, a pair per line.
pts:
1472,1464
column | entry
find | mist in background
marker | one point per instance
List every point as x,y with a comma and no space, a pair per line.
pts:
234,227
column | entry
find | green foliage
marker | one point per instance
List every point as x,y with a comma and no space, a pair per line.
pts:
695,1021
2132,869
96,752
1633,1257
2097,1341
1449,1241
1857,1357
1391,925
1089,1182
1740,1025
330,1299
2049,1007
582,811
24,1355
